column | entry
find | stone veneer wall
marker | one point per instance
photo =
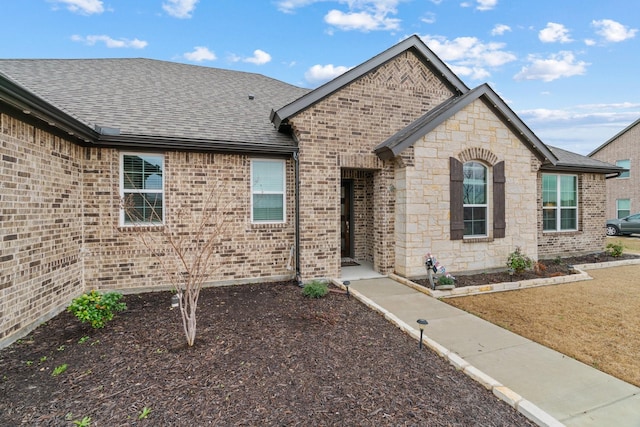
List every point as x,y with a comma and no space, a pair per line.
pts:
340,132
625,147
423,198
590,236
40,225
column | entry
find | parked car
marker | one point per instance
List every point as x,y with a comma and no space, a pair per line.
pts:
627,225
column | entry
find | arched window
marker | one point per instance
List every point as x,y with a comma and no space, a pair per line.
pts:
470,199
474,198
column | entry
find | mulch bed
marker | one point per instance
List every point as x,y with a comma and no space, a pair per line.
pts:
264,355
551,268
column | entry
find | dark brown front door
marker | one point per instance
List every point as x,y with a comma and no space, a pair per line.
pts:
346,222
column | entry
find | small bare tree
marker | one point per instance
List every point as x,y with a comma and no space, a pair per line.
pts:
185,245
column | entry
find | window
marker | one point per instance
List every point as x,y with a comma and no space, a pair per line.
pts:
268,190
559,202
624,164
623,206
470,197
474,199
142,188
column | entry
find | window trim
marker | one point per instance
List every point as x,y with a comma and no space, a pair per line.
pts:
627,166
124,192
618,216
558,207
476,205
283,164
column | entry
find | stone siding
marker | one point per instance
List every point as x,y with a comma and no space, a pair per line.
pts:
625,147
474,133
340,133
40,225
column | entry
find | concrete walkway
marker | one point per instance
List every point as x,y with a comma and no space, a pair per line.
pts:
546,386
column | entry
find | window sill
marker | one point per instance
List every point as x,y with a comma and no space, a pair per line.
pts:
268,225
563,232
477,239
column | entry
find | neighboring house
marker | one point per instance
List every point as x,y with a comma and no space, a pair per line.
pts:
623,192
393,159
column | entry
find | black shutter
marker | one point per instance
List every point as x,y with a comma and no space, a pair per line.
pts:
456,178
499,224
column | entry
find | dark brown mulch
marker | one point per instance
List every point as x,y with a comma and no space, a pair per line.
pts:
264,355
551,267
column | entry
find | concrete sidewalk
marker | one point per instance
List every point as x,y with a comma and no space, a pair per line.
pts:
546,386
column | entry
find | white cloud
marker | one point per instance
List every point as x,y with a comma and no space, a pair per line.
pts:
561,64
468,55
199,54
589,42
429,18
580,128
500,29
363,21
259,57
613,31
110,42
180,8
85,7
288,6
486,4
554,33
323,73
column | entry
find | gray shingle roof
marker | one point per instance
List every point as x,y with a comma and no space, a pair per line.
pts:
159,99
569,161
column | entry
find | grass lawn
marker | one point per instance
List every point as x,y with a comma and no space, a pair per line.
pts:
595,321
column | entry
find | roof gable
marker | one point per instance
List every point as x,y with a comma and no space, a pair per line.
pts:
397,143
615,137
414,43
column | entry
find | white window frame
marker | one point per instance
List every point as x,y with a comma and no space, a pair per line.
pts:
558,207
124,192
283,164
618,208
624,163
484,205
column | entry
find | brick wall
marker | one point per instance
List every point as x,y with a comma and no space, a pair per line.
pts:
590,236
40,225
625,147
60,233
117,259
340,132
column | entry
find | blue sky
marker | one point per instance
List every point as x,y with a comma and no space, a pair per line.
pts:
568,68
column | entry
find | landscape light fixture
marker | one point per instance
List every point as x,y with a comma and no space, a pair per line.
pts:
175,302
346,284
421,324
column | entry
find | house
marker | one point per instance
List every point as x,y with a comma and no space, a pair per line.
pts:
393,159
623,150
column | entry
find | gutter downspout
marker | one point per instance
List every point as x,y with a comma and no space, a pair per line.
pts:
296,161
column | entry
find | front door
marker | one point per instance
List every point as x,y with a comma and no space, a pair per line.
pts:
346,220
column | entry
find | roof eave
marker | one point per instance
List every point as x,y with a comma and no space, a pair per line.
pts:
17,97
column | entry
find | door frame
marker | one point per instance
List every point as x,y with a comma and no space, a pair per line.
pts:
346,219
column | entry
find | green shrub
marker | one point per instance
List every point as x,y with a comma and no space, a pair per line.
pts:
315,289
518,261
96,308
614,250
445,281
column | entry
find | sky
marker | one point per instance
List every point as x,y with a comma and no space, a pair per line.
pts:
568,68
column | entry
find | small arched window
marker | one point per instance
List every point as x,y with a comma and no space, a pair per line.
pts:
474,198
